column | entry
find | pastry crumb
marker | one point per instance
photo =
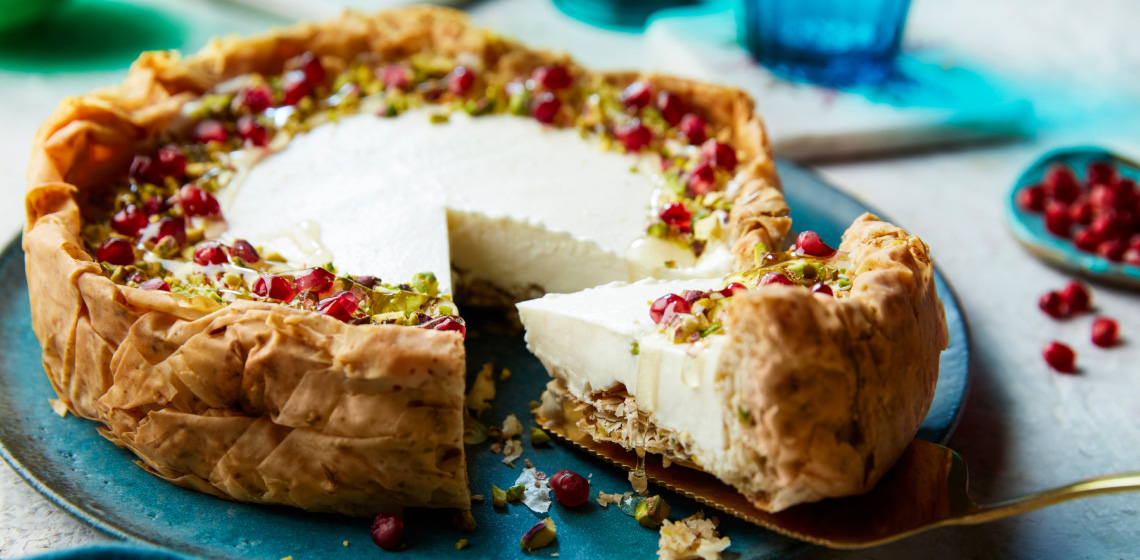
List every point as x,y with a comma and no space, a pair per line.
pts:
512,450
477,497
605,500
692,537
482,390
505,375
460,544
511,426
59,408
346,544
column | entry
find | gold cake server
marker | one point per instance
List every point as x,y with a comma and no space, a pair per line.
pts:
926,488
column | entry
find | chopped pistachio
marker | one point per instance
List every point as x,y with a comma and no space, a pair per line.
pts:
166,247
439,118
658,229
759,251
533,405
516,493
542,534
744,415
505,375
498,496
519,103
537,436
716,327
232,280
634,348
670,264
652,512
460,544
425,283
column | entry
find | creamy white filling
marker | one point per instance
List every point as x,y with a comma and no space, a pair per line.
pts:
504,198
586,339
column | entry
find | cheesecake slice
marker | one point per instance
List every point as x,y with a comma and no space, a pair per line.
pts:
800,379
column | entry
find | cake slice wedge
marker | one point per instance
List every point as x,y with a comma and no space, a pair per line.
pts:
802,379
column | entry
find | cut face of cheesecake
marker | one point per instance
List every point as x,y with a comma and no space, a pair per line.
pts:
800,379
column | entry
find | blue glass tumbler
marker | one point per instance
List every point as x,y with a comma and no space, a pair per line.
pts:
827,42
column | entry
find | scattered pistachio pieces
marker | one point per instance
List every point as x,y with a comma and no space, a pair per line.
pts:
515,493
498,496
635,348
345,543
460,544
652,511
505,375
692,537
538,437
744,415
542,534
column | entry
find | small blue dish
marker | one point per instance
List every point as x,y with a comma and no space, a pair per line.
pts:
1029,227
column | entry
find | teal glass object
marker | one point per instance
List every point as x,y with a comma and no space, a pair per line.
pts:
826,42
616,15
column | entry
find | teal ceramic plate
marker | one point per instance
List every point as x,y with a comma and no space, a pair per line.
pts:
1029,228
67,461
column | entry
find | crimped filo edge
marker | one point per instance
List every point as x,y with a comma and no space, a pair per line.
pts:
260,402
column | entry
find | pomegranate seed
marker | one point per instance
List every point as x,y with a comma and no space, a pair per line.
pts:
340,305
388,531
637,95
1054,305
1103,197
1076,297
115,250
244,250
720,155
211,252
1132,257
252,132
633,135
676,215
313,279
1061,183
1057,219
1106,225
822,288
155,284
257,99
1086,240
733,289
668,305
295,86
210,131
672,107
1060,357
144,169
154,205
703,179
447,323
171,227
545,107
552,77
197,202
693,128
1081,211
273,287
460,80
1112,249
1105,332
1032,198
571,488
129,221
171,162
1100,173
396,76
1134,242
310,65
775,277
810,243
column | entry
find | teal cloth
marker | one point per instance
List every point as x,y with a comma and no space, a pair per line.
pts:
113,551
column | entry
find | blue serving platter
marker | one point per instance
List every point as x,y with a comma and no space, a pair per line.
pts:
1029,227
68,462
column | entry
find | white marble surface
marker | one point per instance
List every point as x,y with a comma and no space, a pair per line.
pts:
1025,428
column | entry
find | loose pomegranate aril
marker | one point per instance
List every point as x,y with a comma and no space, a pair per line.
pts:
447,323
295,86
810,243
1061,183
273,287
129,221
395,76
676,215
775,277
571,488
1057,219
1054,305
340,305
545,107
115,250
672,107
720,155
257,99
703,179
1060,357
313,279
633,135
1076,296
210,131
171,162
1112,249
733,289
1032,198
310,65
211,252
822,288
388,531
1105,332
252,132
1100,173
668,305
244,250
171,227
636,95
197,202
693,128
154,205
552,77
155,284
460,80
1081,211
